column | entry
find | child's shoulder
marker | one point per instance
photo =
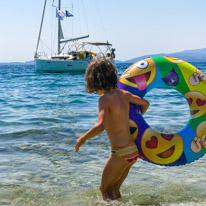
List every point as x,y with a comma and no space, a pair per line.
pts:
108,97
125,92
103,99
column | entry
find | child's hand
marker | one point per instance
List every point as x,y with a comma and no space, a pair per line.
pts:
79,143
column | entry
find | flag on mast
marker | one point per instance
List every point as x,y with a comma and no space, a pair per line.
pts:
60,14
68,14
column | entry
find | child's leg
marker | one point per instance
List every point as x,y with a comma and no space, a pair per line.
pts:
119,182
113,171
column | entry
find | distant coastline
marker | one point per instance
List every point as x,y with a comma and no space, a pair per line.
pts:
18,63
195,55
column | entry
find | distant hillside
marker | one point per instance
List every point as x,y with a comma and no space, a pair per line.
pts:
118,61
196,55
18,63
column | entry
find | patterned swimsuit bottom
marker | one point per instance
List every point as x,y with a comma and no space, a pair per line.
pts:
128,152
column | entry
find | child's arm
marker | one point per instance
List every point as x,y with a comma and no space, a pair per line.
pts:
97,128
144,104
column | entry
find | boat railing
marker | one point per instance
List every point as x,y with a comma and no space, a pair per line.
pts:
40,54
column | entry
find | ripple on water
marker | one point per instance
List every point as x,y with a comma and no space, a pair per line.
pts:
42,115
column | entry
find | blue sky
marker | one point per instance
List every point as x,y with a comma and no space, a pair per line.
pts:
134,27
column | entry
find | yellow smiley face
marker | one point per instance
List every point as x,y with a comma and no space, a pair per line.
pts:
140,74
174,60
197,102
161,148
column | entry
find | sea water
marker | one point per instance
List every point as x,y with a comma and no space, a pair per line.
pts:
42,115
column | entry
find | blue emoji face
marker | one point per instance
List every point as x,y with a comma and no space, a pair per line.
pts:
171,78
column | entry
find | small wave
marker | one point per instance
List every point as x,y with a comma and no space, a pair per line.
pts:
77,101
34,133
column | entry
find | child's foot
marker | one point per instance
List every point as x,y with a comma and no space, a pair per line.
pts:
109,196
118,194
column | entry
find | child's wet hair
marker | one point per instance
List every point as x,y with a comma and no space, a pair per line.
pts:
100,74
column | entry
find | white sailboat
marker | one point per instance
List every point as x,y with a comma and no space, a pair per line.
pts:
76,57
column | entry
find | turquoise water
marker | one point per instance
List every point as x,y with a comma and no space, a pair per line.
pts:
42,115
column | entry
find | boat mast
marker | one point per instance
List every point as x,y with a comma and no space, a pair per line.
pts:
42,19
59,35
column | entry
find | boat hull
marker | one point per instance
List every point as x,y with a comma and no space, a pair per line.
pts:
59,66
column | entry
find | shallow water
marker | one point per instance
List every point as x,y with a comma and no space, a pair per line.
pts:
42,115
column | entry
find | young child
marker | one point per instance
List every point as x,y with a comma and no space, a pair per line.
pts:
101,78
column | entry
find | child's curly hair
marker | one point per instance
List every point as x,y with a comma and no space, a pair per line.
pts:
100,74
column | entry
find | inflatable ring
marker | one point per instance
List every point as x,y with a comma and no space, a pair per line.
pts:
186,145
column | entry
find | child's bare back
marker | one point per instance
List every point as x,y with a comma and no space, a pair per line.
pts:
117,120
